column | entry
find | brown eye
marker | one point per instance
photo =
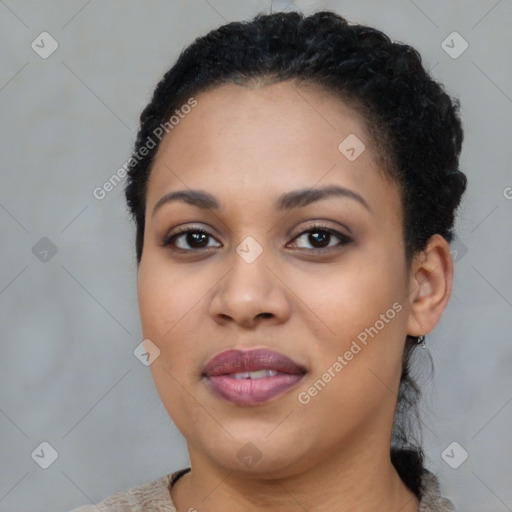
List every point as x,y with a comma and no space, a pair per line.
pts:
194,238
321,236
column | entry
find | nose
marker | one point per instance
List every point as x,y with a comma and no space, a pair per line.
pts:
251,293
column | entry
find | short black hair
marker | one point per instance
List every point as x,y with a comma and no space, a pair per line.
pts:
413,124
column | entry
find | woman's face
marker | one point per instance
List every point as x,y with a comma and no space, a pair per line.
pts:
333,299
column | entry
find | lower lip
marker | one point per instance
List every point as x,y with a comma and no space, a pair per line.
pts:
252,391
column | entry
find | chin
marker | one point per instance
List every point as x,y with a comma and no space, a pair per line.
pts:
252,454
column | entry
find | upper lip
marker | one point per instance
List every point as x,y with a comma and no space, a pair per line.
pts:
237,360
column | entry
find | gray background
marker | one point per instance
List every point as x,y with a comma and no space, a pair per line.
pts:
69,325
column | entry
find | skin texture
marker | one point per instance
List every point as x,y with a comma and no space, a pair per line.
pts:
247,146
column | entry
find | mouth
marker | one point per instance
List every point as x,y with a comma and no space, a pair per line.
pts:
251,377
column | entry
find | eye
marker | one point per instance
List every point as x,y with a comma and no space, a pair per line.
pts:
320,237
195,238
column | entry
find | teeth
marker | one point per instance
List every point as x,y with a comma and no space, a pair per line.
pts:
241,375
259,374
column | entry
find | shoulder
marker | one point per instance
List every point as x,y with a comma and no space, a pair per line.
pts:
152,496
431,499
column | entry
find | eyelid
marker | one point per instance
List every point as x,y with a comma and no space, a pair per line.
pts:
321,225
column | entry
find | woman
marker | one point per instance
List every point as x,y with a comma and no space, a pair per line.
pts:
294,184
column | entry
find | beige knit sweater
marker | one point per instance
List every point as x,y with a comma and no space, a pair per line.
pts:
155,497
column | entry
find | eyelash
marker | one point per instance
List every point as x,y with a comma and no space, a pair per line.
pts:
315,228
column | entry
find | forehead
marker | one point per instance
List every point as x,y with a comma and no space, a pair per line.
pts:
244,144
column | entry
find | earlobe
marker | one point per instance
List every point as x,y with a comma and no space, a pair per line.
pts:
430,286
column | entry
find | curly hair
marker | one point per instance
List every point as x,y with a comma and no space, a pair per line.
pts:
413,125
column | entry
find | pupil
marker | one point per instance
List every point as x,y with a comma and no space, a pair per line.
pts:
323,235
194,238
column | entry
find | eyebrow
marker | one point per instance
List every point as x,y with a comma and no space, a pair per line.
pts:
294,199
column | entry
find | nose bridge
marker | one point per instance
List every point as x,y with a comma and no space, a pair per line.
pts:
250,276
250,250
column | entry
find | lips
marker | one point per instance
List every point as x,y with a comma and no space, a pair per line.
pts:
237,361
251,377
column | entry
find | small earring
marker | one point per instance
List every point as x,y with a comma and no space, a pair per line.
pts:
421,339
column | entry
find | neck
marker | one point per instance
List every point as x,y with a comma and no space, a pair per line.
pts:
347,482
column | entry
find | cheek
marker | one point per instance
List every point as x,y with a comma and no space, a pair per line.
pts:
365,322
357,312
346,299
175,395
166,296
169,304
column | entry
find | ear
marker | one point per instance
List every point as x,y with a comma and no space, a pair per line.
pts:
430,286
